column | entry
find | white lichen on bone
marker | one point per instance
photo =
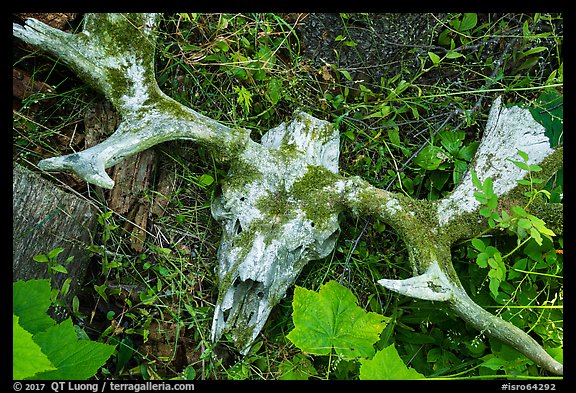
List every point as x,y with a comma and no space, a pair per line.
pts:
267,236
507,130
393,206
432,285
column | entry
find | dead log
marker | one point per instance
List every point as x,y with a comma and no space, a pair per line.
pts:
46,217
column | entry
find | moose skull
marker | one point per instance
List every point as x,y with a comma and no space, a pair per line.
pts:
272,223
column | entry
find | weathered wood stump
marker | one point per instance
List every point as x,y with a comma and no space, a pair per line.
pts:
46,217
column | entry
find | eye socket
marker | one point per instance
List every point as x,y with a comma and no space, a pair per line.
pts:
237,227
312,224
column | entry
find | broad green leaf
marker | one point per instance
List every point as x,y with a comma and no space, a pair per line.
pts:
28,359
480,197
394,136
469,21
524,223
493,363
482,260
467,152
494,285
31,300
452,141
536,235
549,112
299,368
477,183
331,319
459,170
430,157
439,179
59,268
521,165
520,212
478,244
492,202
387,364
52,254
73,358
485,211
522,154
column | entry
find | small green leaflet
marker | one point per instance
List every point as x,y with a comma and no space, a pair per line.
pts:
387,364
331,319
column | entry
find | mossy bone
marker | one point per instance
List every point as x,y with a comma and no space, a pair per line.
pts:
281,199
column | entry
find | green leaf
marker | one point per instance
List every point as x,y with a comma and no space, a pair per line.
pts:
332,319
480,197
475,181
453,55
206,180
524,223
275,90
494,285
31,300
467,152
540,225
52,254
459,170
487,187
40,258
521,165
73,358
494,363
478,244
430,157
482,260
394,136
59,268
536,236
387,365
549,113
485,211
434,57
469,21
518,211
28,358
532,51
492,202
452,141
299,368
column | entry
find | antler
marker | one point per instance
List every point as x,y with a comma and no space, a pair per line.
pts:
281,211
114,54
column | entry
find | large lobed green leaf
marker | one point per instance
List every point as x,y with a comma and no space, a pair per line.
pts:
43,349
28,356
387,364
74,359
331,319
30,302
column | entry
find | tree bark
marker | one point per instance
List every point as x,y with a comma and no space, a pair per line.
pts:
45,217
